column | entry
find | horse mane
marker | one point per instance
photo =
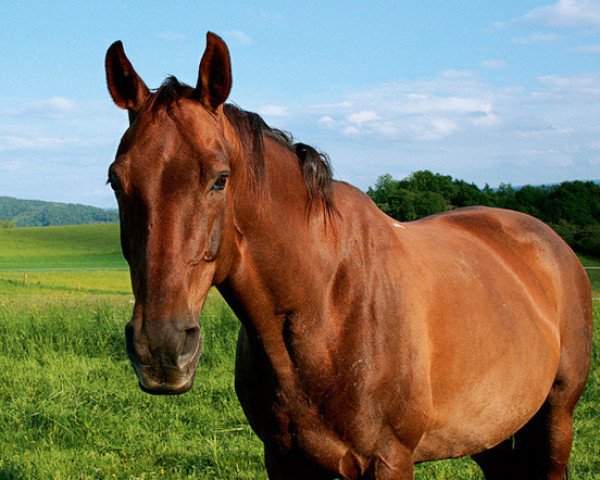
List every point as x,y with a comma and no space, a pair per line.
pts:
251,128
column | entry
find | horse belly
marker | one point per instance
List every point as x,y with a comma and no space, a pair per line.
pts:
489,381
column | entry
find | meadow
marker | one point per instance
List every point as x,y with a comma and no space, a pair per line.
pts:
69,403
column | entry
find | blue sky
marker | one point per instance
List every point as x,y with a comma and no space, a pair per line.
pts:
489,92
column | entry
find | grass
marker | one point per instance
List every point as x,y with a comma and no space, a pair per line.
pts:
70,407
74,246
76,260
593,273
69,403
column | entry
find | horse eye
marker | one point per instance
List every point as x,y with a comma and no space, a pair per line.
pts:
220,182
113,181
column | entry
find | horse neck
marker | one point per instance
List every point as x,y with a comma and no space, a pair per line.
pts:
281,254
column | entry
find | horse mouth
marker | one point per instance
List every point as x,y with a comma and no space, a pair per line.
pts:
157,380
166,389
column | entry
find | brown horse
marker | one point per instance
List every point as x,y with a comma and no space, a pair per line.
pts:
366,345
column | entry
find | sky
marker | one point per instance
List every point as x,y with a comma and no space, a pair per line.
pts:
486,91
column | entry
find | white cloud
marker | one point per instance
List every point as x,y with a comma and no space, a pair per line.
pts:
52,107
456,74
60,104
450,104
326,120
584,84
494,64
387,129
427,110
30,143
538,38
11,165
467,127
566,13
240,37
593,49
435,128
351,131
363,116
483,119
273,111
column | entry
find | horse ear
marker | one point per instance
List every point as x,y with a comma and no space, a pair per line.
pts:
214,75
126,88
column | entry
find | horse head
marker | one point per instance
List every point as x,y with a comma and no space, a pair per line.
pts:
171,178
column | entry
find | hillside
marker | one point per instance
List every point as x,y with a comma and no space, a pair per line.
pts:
74,246
36,213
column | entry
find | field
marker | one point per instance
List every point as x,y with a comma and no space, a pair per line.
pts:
69,403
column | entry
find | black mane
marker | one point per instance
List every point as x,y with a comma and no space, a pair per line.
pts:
252,129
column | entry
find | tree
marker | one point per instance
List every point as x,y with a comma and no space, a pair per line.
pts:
571,208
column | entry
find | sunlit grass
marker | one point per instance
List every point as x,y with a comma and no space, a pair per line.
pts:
74,246
60,282
70,406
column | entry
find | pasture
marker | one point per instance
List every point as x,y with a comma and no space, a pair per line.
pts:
69,403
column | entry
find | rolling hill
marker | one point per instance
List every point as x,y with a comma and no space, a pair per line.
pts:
36,213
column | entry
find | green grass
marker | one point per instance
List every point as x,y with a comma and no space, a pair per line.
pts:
56,261
593,273
69,403
70,406
75,246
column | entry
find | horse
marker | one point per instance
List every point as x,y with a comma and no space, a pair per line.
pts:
366,345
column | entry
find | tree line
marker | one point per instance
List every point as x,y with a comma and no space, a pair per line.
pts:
36,213
572,209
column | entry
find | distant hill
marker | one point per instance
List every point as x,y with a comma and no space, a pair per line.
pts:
36,213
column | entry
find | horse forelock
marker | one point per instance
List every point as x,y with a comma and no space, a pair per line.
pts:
170,91
251,128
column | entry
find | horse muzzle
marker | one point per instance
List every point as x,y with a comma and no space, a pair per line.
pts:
165,364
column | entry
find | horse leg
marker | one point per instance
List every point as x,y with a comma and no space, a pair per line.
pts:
497,463
395,462
543,446
292,467
539,451
382,471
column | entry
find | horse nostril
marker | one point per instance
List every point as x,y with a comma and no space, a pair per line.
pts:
191,344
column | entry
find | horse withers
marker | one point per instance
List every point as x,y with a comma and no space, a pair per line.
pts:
366,345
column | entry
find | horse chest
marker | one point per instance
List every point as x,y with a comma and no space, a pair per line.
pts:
324,403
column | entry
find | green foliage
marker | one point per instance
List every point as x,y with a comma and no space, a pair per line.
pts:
7,224
34,213
571,208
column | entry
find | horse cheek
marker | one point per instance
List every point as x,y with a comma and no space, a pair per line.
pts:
214,240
